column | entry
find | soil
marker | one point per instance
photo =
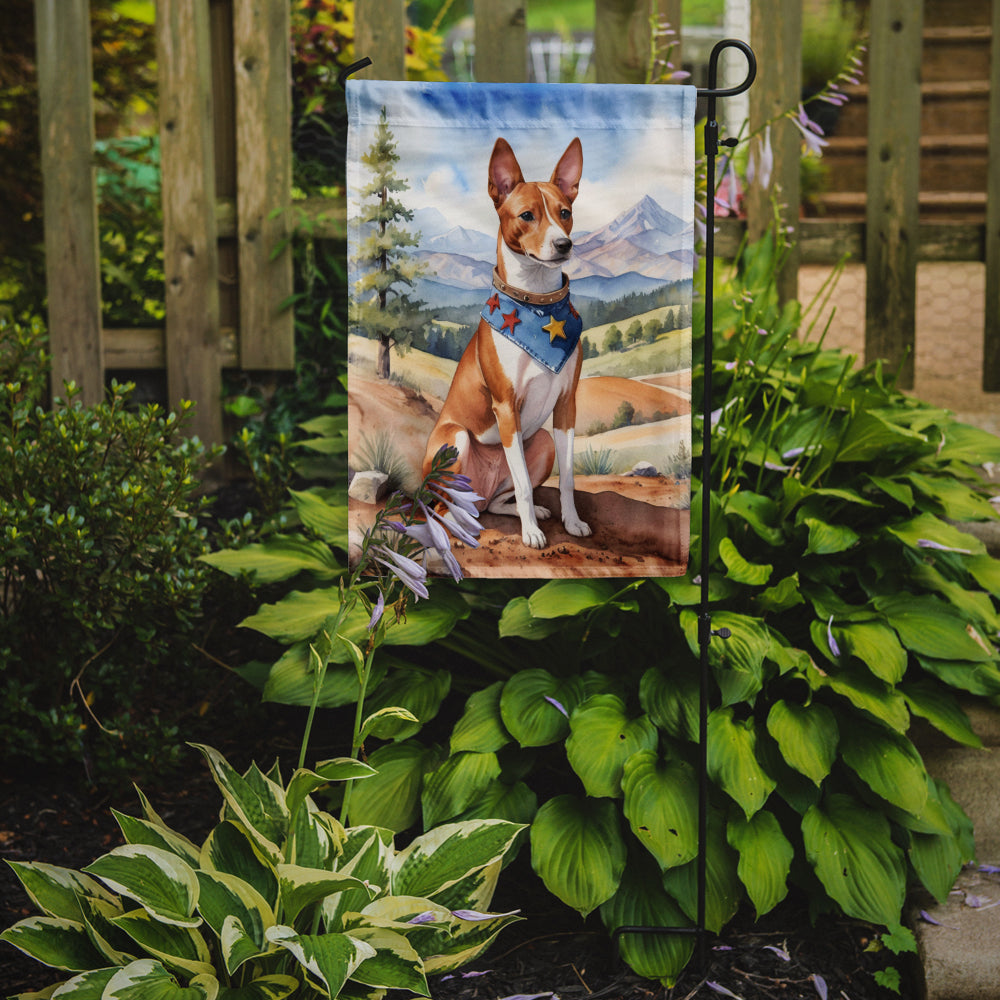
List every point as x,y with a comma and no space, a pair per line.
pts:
552,952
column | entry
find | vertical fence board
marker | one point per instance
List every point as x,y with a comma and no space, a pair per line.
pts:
893,183
190,254
621,40
72,256
380,34
501,41
262,61
776,35
991,333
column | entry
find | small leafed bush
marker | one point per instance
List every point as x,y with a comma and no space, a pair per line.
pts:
99,575
280,899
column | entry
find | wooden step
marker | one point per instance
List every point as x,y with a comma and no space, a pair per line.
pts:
939,13
956,53
964,206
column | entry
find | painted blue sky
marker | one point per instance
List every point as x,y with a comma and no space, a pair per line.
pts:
637,141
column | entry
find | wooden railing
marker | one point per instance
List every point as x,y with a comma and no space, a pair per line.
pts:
226,161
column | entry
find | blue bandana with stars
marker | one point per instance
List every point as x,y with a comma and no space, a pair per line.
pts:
548,332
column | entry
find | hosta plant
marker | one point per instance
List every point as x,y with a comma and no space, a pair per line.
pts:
279,900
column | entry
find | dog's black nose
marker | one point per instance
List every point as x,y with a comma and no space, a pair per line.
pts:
563,245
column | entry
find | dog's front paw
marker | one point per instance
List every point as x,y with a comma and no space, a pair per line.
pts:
533,536
542,513
577,527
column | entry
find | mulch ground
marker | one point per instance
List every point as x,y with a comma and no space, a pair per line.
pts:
550,953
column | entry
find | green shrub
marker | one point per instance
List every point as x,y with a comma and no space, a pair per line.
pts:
101,584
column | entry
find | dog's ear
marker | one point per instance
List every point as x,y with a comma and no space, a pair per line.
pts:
569,170
505,174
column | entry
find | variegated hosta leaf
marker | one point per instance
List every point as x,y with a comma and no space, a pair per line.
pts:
158,880
141,831
535,706
602,737
850,847
86,986
149,980
732,760
661,805
230,849
225,897
54,941
807,736
456,784
256,801
476,890
723,889
367,853
56,891
395,964
888,763
329,959
99,915
467,940
300,887
578,851
418,691
441,857
315,838
481,727
177,947
765,858
274,987
642,902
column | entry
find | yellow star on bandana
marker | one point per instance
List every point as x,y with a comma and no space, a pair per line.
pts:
555,328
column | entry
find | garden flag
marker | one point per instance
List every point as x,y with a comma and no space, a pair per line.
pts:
520,273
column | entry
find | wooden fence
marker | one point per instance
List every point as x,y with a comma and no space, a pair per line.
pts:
226,161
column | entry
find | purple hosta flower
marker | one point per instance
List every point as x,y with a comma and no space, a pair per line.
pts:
558,705
411,574
811,132
990,869
475,915
780,952
427,917
834,648
792,453
719,988
761,163
430,534
377,612
465,975
927,918
927,543
820,984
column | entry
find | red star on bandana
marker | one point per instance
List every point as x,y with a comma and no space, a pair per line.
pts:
493,303
510,320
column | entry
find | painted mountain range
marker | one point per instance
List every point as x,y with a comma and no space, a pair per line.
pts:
639,251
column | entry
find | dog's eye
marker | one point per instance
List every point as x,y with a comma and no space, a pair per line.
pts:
527,216
565,213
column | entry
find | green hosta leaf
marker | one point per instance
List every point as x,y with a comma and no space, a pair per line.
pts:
957,501
438,859
661,799
931,628
602,738
417,690
986,571
517,620
279,558
671,699
301,887
304,782
739,569
765,858
327,520
965,443
260,809
560,598
758,511
732,760
56,891
723,889
850,847
330,959
391,798
937,857
828,539
292,680
147,979
180,948
641,901
159,881
230,849
738,661
141,831
395,964
928,528
941,709
275,987
225,897
888,763
893,488
866,692
807,736
975,605
481,728
976,678
870,435
783,595
578,851
516,803
456,784
535,706
876,646
54,941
